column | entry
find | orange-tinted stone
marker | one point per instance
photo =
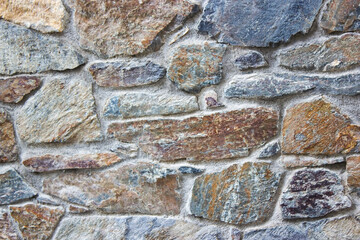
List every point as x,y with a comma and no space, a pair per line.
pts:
12,90
212,137
8,147
78,209
353,171
318,128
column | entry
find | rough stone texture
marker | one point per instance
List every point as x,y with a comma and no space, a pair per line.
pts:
313,193
211,99
306,161
284,232
190,170
26,51
196,66
7,230
13,188
43,15
13,90
212,137
353,171
270,150
50,162
126,74
257,23
36,221
179,35
59,112
335,54
151,228
133,105
347,228
77,209
265,86
126,27
250,59
240,194
8,147
318,128
341,16
125,150
143,188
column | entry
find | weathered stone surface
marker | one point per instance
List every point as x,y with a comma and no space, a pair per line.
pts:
190,170
257,23
126,74
196,66
43,15
353,171
26,51
307,161
13,188
77,209
59,112
265,86
108,228
240,194
50,162
212,137
211,99
7,230
179,35
270,150
313,193
12,90
133,105
250,59
126,27
8,147
318,128
125,150
341,16
36,221
284,232
347,228
335,54
143,188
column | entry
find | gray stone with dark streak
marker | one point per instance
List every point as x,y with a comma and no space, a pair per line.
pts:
250,59
270,150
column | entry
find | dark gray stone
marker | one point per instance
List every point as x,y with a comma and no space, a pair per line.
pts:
257,23
190,170
270,150
251,59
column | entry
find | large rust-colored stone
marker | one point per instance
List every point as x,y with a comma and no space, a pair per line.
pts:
318,128
353,171
36,221
341,16
12,90
7,229
126,27
143,188
8,147
59,162
212,137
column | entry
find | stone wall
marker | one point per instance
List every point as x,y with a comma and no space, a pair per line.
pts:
171,119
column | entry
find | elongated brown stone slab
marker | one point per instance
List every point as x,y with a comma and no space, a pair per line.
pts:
212,137
143,188
8,147
126,27
58,162
240,194
7,229
36,221
318,128
12,90
353,171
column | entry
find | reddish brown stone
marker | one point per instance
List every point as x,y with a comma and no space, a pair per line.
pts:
12,90
36,221
126,27
58,162
78,209
217,136
318,128
353,171
8,148
7,230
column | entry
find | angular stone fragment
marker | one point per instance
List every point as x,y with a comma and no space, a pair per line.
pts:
270,150
12,90
43,15
26,51
179,35
133,105
240,194
211,99
59,112
143,188
126,27
77,209
307,161
13,188
257,23
212,137
347,228
335,54
250,59
36,221
8,147
318,128
341,16
136,228
284,232
313,193
126,74
125,150
7,229
353,171
50,162
190,170
196,66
